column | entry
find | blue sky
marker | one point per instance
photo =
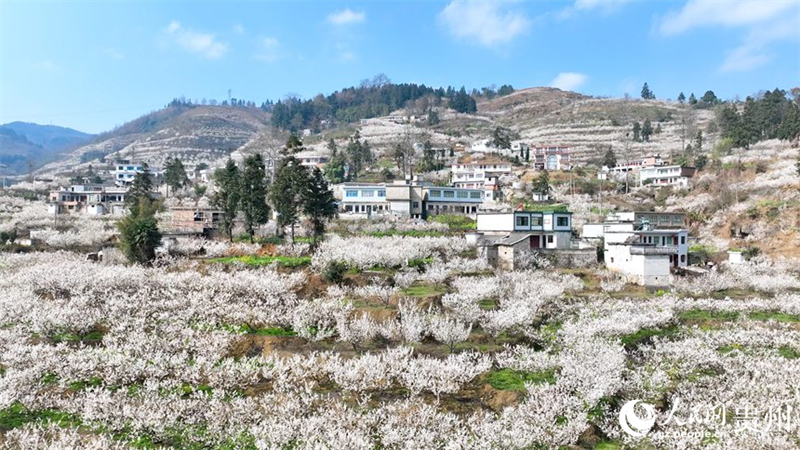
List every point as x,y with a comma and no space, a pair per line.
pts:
92,65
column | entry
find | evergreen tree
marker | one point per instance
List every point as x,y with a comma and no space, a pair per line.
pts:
647,94
141,188
610,159
527,154
701,161
542,183
358,154
138,232
253,194
647,130
637,129
332,147
175,174
319,204
681,98
698,141
227,196
692,99
286,194
293,145
501,138
334,169
709,99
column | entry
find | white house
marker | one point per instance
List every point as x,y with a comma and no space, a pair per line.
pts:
650,264
406,198
621,170
124,173
666,176
546,229
89,199
475,175
311,159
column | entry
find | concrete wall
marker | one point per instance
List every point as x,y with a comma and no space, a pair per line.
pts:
495,222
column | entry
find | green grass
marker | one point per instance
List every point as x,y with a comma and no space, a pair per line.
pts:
259,261
539,207
454,221
773,315
16,415
83,384
424,290
608,445
788,352
645,335
729,348
266,331
704,315
487,304
514,380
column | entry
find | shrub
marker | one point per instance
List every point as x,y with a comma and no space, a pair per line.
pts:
334,272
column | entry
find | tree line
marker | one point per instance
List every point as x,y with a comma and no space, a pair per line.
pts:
773,115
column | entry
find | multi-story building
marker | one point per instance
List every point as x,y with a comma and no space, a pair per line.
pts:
666,175
194,219
550,158
474,175
406,198
124,173
311,159
643,244
621,170
90,199
545,229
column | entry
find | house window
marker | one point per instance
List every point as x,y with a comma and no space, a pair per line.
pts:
562,221
536,221
351,193
415,205
436,193
683,258
130,167
549,238
474,195
522,221
381,193
119,167
683,239
449,194
612,259
463,194
368,193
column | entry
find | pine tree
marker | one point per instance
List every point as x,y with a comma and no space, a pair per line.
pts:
647,130
286,194
227,196
647,94
253,194
681,98
692,99
319,204
332,147
698,141
637,129
141,188
175,174
610,159
542,183
358,153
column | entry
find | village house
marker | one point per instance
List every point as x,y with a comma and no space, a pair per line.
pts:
475,175
311,159
554,157
410,198
644,244
192,219
507,239
666,176
621,170
92,199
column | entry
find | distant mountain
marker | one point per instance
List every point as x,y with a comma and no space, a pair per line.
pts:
193,133
23,144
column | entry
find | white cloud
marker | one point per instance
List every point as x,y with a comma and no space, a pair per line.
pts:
203,44
346,17
696,14
238,29
269,51
764,23
569,81
483,22
601,6
113,54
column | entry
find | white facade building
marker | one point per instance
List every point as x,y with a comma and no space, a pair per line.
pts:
476,174
123,174
666,176
406,199
90,199
547,229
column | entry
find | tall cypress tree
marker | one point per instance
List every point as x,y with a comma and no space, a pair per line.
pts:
319,204
286,194
253,194
141,188
227,196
